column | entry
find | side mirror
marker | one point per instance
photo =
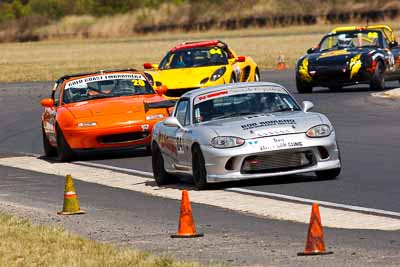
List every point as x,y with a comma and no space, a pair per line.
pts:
172,122
47,102
393,44
311,50
148,66
307,105
241,59
161,90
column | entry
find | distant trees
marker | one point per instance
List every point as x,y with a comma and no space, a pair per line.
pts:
55,9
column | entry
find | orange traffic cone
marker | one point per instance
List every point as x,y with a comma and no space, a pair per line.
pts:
71,204
315,239
281,62
186,223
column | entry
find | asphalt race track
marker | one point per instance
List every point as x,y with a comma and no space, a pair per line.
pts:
368,133
367,130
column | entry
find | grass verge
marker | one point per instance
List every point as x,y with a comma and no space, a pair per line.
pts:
24,244
48,60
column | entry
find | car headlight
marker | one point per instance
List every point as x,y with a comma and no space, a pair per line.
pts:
218,74
226,141
154,117
319,131
87,124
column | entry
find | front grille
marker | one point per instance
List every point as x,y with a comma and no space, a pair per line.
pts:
277,162
332,73
178,92
122,138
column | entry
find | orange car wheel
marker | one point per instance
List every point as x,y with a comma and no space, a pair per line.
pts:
64,152
49,150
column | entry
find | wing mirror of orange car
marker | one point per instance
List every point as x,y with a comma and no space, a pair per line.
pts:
241,59
161,90
47,102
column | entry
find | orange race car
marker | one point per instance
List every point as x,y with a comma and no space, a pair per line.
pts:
106,109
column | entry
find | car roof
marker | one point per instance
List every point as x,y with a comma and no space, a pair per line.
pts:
188,45
387,30
193,93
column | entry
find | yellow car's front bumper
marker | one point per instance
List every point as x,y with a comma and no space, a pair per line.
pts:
176,93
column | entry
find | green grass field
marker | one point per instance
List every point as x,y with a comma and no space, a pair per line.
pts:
23,244
47,60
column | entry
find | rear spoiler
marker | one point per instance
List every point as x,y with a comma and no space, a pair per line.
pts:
162,104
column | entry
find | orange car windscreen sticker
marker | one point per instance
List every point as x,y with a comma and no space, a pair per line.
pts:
140,83
104,77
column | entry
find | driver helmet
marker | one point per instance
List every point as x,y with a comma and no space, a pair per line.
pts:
343,41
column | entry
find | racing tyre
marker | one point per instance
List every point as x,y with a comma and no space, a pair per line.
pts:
328,174
232,79
257,76
160,175
64,152
49,150
303,88
378,80
199,169
148,149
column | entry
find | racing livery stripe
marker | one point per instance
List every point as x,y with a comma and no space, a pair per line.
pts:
237,91
211,95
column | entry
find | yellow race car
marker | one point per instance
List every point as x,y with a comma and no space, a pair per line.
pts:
196,65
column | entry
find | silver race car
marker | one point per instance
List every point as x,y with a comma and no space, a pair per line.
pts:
242,131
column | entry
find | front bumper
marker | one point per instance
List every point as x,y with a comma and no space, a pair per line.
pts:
336,75
127,136
176,93
227,164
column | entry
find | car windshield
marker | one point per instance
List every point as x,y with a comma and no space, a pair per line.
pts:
106,86
243,104
351,40
196,57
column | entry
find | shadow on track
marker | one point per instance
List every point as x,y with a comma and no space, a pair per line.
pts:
104,155
348,89
186,182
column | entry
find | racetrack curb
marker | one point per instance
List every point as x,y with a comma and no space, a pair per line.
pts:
390,94
255,205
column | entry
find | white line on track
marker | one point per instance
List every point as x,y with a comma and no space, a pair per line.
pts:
259,193
268,207
114,168
310,201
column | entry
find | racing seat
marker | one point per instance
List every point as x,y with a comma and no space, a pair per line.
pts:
206,111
